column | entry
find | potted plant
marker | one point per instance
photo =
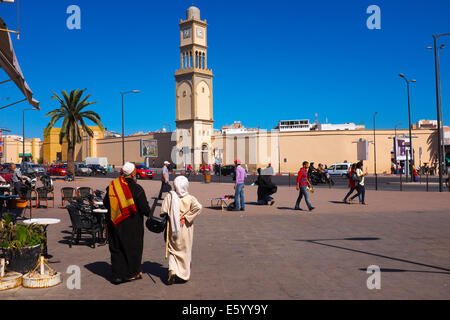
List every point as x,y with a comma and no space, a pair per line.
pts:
20,244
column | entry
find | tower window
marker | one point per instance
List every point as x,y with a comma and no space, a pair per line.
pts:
184,93
203,90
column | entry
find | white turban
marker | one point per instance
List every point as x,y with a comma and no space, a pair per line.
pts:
128,168
181,185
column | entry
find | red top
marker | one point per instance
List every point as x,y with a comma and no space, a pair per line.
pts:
351,182
302,178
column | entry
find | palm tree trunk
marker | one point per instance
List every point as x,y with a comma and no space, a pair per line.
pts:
70,163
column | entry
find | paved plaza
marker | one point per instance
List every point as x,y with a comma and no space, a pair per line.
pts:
275,252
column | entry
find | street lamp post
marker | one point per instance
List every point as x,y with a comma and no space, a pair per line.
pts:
436,69
440,103
23,131
411,152
123,130
395,141
375,153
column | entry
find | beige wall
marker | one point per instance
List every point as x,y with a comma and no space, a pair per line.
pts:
111,148
330,147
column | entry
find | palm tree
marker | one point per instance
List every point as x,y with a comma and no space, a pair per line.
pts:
73,124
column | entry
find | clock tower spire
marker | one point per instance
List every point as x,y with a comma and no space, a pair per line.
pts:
194,98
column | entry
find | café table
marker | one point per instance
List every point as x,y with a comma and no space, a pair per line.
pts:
45,222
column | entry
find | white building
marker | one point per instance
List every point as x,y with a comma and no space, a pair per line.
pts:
332,127
294,125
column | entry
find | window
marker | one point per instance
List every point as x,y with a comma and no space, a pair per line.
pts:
184,93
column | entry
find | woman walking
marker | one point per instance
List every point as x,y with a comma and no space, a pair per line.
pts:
360,184
182,208
351,182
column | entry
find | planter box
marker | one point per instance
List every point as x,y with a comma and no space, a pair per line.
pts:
21,260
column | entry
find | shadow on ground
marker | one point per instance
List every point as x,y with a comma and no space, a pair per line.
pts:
375,254
155,269
100,268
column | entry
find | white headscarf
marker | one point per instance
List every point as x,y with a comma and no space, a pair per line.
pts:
181,184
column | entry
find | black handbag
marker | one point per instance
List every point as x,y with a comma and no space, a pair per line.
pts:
166,187
155,224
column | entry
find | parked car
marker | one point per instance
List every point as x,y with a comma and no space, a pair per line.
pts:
228,170
82,170
30,168
339,169
97,169
57,170
142,171
6,167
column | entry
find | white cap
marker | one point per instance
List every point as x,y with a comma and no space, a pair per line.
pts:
166,162
128,168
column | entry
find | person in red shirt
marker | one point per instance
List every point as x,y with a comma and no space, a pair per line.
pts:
351,182
302,184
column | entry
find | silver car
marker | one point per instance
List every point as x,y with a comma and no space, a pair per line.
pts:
33,168
82,170
339,169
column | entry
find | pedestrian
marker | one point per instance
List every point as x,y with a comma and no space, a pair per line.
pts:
269,170
165,178
239,187
351,182
360,184
302,184
127,204
265,188
182,208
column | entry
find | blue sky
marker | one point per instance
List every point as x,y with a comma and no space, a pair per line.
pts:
272,60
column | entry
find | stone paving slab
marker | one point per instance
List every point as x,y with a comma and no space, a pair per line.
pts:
276,252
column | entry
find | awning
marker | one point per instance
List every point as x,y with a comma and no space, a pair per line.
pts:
9,63
26,155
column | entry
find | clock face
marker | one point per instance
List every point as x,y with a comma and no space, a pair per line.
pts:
186,33
200,33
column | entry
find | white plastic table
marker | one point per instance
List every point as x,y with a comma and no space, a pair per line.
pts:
45,222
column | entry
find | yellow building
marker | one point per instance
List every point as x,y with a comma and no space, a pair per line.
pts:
53,151
13,149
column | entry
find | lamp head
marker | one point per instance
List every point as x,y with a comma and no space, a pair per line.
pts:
413,80
401,75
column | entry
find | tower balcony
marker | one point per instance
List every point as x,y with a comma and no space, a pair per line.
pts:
193,70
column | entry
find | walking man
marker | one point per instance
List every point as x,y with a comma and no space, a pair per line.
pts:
127,204
239,187
165,186
302,184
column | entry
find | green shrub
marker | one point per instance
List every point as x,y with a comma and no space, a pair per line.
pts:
17,236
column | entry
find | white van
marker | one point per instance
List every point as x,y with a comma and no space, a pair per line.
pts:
339,169
100,161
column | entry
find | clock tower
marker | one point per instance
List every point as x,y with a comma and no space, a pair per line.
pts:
194,94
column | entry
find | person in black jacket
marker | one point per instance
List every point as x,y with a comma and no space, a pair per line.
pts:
265,188
126,238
